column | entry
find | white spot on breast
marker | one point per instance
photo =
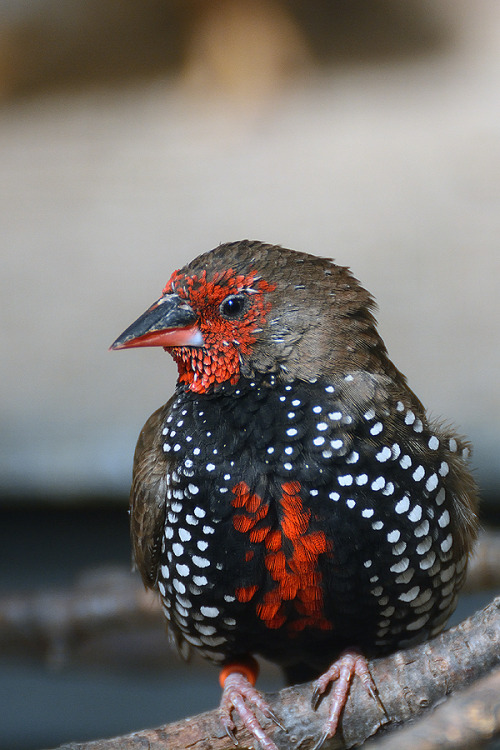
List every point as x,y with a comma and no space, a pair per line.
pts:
289,449
208,530
446,545
191,520
417,624
270,449
169,532
410,595
377,428
441,496
405,462
367,512
200,562
362,479
393,536
291,431
200,580
424,546
423,598
403,505
377,591
296,402
291,414
400,406
337,444
319,440
184,535
432,483
447,573
329,389
179,586
418,426
345,480
444,519
210,467
177,549
351,503
433,443
165,571
202,545
229,598
378,484
415,514
322,426
388,612
367,563
423,529
396,450
317,409
453,445
377,525
335,416
334,496
352,458
400,566
182,570
204,629
419,473
199,512
444,469
209,611
384,455
399,548
428,561
370,414
409,417
288,466
406,576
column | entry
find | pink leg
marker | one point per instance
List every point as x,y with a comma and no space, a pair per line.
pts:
342,671
238,693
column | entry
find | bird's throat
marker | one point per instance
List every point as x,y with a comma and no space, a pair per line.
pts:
201,369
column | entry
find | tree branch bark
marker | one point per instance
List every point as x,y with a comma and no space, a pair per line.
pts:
410,684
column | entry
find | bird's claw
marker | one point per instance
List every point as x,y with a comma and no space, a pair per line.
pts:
341,672
239,695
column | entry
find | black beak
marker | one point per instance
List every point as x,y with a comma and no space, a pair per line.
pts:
168,322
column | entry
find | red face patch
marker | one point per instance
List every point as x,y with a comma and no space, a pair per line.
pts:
226,341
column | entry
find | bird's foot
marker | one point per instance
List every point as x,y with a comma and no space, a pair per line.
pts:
239,694
342,671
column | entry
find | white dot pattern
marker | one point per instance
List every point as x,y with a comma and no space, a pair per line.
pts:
390,489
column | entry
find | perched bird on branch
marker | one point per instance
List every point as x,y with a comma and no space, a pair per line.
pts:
292,499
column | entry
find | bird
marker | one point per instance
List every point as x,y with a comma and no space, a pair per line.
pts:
292,500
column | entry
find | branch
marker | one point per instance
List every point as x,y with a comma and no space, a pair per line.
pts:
410,683
467,721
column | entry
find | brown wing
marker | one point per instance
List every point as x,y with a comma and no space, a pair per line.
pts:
147,496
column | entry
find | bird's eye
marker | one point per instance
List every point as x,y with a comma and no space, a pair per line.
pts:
233,307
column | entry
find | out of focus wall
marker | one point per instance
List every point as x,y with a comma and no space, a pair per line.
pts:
390,163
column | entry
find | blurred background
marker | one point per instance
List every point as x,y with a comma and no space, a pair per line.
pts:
135,135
